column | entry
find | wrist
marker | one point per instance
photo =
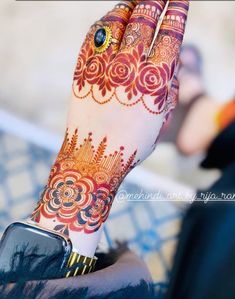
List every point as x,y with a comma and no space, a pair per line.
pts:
80,191
84,244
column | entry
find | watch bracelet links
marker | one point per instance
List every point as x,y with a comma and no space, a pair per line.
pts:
79,264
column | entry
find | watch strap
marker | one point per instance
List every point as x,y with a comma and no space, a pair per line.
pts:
79,264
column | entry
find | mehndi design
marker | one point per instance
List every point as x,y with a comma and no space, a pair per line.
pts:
124,87
129,75
82,185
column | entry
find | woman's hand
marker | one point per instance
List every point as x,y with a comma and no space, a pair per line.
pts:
128,85
123,89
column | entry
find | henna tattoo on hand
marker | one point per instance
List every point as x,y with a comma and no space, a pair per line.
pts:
84,179
129,70
129,75
142,24
82,185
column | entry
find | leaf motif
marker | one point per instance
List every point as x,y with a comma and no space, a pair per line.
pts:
173,65
135,54
135,91
73,143
59,227
140,49
167,70
100,151
62,228
37,216
103,92
129,164
128,88
161,103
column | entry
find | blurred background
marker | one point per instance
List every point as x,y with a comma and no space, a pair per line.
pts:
39,45
40,42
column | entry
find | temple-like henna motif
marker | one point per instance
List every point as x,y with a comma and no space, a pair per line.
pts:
131,75
82,185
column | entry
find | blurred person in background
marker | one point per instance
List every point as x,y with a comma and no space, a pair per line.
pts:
197,113
205,258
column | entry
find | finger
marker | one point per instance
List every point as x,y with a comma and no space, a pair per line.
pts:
121,12
115,22
166,48
175,19
142,25
94,58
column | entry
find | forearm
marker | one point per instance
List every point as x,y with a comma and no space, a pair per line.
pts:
120,100
83,181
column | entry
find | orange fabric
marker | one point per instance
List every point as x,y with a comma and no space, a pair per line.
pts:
226,115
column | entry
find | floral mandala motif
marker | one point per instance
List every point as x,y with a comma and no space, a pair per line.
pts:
82,185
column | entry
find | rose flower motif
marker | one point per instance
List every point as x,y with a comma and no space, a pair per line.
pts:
81,62
122,71
150,78
95,70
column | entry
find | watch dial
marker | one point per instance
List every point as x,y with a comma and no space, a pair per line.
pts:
30,253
